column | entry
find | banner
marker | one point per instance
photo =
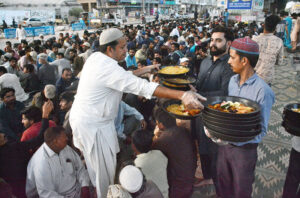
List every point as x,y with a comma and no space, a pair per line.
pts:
30,31
78,26
239,4
258,4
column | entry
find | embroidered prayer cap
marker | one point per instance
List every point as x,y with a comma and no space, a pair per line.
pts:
49,91
131,178
245,45
87,44
110,35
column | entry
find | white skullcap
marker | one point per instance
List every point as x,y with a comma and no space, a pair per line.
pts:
33,54
131,178
110,35
43,56
86,44
184,59
49,91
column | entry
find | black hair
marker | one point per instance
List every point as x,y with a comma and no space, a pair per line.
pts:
33,113
29,67
103,48
5,90
8,43
13,58
157,59
176,45
253,58
67,95
163,117
73,50
143,62
271,22
66,69
24,42
60,54
228,34
3,69
52,133
142,140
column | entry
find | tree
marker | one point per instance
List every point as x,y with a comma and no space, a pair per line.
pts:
75,12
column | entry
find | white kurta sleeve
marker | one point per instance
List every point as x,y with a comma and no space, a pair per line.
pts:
124,81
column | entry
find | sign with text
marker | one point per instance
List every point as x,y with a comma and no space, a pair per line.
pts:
239,4
78,26
30,31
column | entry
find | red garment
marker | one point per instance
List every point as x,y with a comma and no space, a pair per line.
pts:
33,130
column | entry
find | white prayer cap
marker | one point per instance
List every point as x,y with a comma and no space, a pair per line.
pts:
131,178
87,44
43,56
49,91
184,59
33,54
110,35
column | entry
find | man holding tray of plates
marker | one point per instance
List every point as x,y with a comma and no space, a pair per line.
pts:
95,107
236,161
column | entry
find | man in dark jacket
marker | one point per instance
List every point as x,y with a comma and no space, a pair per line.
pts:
10,114
213,80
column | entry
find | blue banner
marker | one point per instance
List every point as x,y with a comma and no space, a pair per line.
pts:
239,4
30,31
78,26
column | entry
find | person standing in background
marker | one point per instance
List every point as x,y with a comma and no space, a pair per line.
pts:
20,33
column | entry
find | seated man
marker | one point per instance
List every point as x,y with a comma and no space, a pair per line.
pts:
14,155
152,162
236,161
176,143
10,114
32,121
64,81
29,80
130,59
11,80
56,170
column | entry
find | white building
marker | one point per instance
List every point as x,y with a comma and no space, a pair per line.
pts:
46,10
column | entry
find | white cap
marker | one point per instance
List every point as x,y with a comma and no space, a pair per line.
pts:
184,59
110,35
33,54
49,91
131,178
86,44
43,56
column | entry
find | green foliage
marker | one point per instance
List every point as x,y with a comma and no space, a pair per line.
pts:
75,12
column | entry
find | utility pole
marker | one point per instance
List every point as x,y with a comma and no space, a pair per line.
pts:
143,2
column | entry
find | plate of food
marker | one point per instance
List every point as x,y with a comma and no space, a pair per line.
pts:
178,110
232,106
173,71
181,81
174,86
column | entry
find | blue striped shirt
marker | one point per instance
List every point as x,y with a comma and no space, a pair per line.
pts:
257,90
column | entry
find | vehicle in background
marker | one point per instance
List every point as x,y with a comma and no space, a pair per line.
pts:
33,22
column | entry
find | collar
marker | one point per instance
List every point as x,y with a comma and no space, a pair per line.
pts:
49,151
249,81
225,56
111,59
266,34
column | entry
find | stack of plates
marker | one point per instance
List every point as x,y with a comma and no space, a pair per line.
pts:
231,126
291,119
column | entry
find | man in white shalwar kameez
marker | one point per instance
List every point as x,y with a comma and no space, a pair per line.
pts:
99,93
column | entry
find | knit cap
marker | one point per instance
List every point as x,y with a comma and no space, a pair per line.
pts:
245,45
